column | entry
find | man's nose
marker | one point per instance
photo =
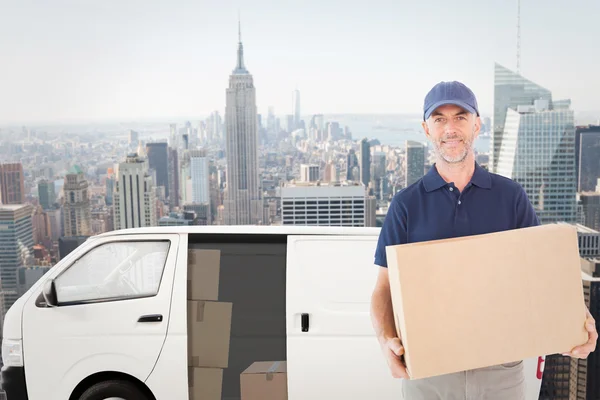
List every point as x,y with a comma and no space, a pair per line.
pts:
450,127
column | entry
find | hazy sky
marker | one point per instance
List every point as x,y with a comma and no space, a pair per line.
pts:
65,60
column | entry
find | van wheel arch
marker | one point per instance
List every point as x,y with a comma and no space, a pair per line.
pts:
108,376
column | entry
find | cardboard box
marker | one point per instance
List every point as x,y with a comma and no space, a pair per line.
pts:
209,330
205,383
203,274
264,380
484,300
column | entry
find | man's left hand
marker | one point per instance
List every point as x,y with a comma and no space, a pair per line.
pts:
584,350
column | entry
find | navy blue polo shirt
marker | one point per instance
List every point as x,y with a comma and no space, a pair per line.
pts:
432,209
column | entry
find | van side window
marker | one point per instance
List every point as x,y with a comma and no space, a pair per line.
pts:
114,271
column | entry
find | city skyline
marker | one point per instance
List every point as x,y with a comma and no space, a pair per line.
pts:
166,64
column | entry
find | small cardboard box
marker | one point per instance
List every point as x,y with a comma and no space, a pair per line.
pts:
209,330
264,380
205,383
478,301
203,274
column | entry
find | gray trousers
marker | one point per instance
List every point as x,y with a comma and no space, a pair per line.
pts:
506,381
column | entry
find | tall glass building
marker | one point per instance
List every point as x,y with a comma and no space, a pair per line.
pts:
415,162
538,151
510,91
587,156
16,247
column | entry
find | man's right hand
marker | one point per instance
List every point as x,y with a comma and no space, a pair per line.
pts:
393,351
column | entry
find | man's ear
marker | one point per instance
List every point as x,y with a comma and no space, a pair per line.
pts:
477,126
425,128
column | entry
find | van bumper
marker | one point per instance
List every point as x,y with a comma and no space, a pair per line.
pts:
13,383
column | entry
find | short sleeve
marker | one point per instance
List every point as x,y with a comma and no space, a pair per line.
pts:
526,215
393,231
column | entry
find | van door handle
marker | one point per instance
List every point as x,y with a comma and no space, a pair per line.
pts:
304,322
151,318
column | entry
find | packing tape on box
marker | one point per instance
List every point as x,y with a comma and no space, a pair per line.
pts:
200,312
272,369
190,377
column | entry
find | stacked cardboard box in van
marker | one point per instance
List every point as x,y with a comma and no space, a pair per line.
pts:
264,380
209,326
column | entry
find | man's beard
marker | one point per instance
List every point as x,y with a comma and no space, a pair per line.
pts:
467,146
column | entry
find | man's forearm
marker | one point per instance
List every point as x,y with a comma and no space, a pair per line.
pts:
382,315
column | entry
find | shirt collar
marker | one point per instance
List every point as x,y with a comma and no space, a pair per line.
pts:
433,180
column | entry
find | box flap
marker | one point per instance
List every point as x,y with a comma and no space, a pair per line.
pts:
266,367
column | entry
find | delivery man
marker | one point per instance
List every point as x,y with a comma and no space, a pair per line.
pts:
457,197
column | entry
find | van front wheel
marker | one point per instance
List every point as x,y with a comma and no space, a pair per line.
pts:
116,389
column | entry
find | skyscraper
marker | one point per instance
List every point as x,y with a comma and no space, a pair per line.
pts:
538,152
173,137
16,242
12,184
325,204
173,177
296,104
134,198
590,204
587,155
199,174
158,160
77,212
351,162
415,162
309,173
510,91
243,204
46,193
364,161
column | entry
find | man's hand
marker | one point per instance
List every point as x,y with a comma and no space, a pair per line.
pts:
584,350
393,351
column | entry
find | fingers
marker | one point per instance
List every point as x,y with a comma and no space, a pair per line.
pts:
396,346
393,355
590,325
582,351
591,343
397,368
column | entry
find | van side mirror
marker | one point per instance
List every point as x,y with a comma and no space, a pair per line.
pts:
49,293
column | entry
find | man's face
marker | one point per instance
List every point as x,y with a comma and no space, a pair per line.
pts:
452,130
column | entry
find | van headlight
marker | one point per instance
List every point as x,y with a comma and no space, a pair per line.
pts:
12,353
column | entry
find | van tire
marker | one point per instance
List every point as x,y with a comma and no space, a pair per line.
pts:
114,388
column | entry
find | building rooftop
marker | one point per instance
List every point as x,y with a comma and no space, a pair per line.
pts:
12,207
324,184
75,169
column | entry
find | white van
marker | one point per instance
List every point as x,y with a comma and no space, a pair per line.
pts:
109,320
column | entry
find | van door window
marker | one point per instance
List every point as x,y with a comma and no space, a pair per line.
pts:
114,271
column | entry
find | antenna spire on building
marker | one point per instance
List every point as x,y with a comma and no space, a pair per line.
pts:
240,68
239,28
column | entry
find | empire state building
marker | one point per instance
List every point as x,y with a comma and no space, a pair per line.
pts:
243,203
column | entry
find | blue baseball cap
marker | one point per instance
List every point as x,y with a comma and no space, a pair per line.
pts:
449,93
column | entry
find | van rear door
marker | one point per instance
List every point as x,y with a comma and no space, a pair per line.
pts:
332,352
113,309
